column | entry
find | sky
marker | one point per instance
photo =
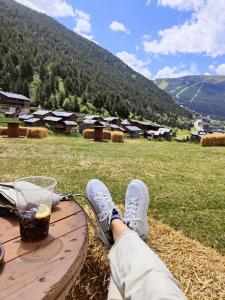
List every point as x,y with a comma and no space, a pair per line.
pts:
157,38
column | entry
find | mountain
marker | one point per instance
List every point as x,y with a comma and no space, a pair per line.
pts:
57,68
203,94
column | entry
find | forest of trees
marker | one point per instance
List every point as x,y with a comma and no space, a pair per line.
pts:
57,68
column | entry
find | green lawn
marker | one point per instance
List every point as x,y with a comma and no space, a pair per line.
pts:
187,182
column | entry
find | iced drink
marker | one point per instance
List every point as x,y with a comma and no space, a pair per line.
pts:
34,222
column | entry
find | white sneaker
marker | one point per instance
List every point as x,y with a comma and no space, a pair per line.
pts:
101,203
136,207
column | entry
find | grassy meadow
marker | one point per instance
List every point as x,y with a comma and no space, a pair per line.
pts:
186,181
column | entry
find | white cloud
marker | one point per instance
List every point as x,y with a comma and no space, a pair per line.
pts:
184,5
148,2
203,33
136,64
83,23
220,70
117,26
53,8
177,71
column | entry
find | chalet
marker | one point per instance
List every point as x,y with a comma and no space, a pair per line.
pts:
145,126
34,122
10,114
68,126
125,123
13,102
65,115
113,120
25,117
94,118
55,123
164,133
41,114
90,123
114,127
133,131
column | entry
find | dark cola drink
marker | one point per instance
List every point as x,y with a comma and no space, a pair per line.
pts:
34,225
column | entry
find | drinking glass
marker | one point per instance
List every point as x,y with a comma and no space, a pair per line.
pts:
34,202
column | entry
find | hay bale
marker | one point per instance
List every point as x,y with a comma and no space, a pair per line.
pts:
199,269
217,139
3,131
117,136
37,132
23,131
106,135
88,134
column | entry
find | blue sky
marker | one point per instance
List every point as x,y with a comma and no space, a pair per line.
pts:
158,38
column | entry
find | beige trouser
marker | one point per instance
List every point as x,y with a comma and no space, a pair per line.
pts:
138,273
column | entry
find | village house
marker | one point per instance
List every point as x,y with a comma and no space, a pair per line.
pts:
14,103
41,113
145,126
114,127
69,126
55,123
133,131
113,120
65,115
25,117
34,122
90,121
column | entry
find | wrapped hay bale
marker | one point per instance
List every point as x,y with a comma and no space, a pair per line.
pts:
88,134
23,131
217,139
106,135
3,131
37,132
117,136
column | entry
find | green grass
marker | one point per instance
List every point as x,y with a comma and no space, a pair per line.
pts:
186,180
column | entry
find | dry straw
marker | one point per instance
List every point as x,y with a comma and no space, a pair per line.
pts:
217,139
106,135
117,136
3,131
88,134
37,132
199,269
23,131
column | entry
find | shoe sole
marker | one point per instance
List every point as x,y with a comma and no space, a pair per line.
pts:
101,236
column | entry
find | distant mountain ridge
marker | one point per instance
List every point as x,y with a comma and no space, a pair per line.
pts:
203,94
57,68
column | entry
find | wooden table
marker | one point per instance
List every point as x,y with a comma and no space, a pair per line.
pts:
45,269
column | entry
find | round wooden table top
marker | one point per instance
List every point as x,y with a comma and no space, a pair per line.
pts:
45,269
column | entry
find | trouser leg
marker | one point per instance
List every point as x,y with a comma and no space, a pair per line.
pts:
139,273
113,292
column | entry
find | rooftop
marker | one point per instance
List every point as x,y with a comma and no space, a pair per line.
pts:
13,95
53,119
70,123
133,128
62,114
26,117
41,112
32,120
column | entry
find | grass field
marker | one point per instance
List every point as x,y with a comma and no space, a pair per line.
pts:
186,180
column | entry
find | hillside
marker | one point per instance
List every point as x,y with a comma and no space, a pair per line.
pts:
203,94
57,68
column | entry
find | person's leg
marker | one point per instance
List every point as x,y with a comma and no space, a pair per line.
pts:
137,271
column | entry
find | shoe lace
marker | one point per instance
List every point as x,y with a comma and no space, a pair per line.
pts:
131,211
103,199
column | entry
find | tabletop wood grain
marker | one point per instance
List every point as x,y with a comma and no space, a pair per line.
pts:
45,269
